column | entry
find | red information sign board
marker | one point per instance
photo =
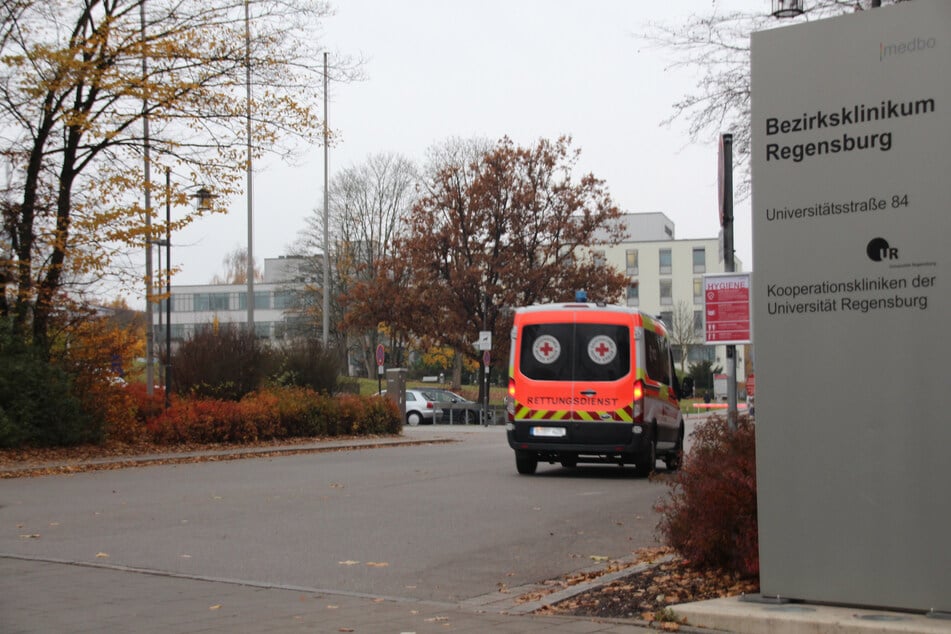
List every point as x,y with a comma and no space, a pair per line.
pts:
727,308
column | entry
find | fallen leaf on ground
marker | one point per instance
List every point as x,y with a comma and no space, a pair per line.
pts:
217,606
647,595
377,564
348,562
102,555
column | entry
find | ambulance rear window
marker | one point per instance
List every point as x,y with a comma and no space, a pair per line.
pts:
575,352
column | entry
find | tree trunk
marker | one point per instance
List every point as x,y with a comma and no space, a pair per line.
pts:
457,370
53,278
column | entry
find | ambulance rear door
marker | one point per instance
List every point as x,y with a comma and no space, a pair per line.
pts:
576,365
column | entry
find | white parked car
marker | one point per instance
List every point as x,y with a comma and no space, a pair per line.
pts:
421,407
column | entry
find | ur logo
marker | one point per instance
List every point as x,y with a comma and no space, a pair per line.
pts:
878,250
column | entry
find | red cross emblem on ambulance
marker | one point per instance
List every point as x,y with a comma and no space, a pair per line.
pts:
602,349
546,349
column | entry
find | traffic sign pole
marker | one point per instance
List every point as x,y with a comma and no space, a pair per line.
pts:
725,169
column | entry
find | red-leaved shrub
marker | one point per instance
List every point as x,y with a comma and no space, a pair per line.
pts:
709,515
272,413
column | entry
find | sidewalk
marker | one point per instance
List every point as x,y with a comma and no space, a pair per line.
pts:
43,596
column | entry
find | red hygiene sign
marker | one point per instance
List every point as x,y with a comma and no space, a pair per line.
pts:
726,312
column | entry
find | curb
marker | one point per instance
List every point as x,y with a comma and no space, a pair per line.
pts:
191,457
587,586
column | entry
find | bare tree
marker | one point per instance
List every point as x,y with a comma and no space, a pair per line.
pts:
683,331
366,204
718,45
236,268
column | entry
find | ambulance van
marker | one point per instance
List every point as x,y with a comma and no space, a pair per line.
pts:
592,383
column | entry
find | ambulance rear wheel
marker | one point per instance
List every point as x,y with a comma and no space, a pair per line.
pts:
645,461
525,462
675,459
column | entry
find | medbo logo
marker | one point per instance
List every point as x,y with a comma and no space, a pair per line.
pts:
917,44
879,250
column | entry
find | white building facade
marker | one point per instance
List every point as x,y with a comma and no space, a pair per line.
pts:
275,302
664,273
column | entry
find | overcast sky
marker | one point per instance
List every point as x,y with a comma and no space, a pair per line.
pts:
524,68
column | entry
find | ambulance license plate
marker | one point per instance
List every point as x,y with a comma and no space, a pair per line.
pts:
549,432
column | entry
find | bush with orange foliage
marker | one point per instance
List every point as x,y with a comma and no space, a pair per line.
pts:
272,413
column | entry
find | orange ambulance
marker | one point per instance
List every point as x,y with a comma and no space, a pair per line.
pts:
592,383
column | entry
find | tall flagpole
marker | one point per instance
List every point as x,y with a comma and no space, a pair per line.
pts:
247,70
326,289
149,327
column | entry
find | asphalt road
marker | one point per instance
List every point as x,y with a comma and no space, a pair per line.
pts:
443,522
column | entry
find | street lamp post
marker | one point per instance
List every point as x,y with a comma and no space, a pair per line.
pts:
168,286
203,198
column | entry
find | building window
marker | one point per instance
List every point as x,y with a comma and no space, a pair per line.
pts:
698,324
182,303
630,257
262,300
698,290
697,354
598,257
666,293
665,262
699,260
211,301
668,318
633,299
283,299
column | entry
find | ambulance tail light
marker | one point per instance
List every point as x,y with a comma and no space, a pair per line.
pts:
511,387
638,401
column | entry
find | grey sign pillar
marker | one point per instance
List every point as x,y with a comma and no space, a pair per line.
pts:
396,388
851,130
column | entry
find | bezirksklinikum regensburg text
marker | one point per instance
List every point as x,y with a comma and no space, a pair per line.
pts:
838,118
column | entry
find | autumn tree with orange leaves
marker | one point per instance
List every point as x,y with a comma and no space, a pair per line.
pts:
505,228
79,81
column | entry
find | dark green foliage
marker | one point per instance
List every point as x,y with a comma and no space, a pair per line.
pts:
702,374
709,516
225,363
37,405
306,363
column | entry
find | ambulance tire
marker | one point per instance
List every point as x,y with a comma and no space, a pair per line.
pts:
569,461
645,461
525,462
674,460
